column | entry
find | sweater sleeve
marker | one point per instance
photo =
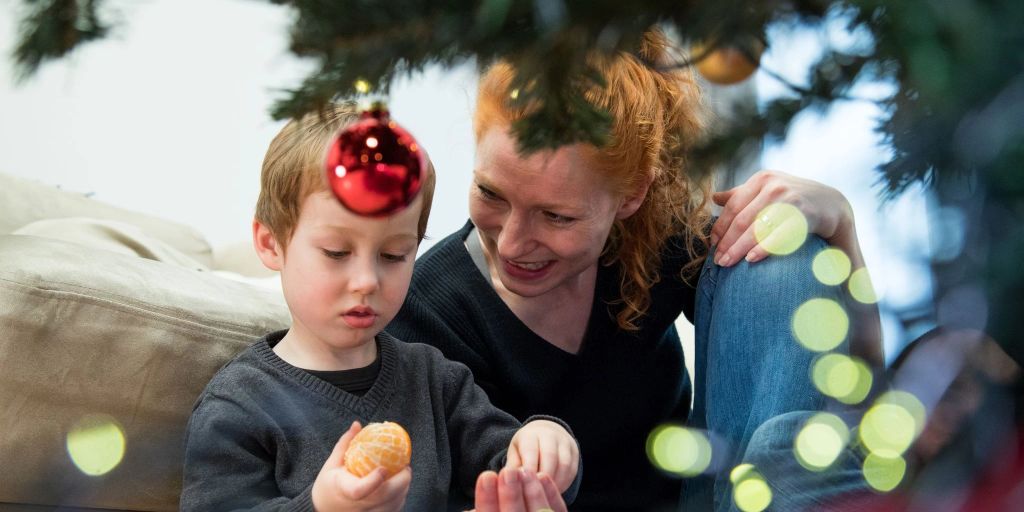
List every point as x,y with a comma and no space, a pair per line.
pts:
227,466
480,433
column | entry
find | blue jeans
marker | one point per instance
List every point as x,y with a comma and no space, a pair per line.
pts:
753,389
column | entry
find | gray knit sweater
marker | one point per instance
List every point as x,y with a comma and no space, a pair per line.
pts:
262,429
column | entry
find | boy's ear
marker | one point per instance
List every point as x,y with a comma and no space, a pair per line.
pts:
270,252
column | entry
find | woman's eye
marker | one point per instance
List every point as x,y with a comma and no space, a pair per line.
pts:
558,219
487,193
335,255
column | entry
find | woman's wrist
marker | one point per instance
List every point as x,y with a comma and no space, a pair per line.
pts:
845,235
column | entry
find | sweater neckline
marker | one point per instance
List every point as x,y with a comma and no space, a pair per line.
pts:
478,281
378,394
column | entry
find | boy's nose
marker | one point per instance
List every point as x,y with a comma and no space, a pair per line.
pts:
364,280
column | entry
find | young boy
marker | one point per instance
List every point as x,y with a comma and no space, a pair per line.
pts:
265,432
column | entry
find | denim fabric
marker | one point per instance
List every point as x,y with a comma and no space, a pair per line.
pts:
752,388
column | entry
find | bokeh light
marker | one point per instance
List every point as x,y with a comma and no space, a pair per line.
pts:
890,426
847,379
820,441
740,472
362,86
831,266
679,450
861,288
752,493
820,324
884,473
96,444
780,228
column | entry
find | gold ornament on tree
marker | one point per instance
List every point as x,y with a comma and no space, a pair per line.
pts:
728,63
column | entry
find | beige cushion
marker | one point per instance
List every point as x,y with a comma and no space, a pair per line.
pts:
109,235
85,331
24,201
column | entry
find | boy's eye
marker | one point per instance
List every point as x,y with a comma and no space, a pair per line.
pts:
558,219
335,255
395,258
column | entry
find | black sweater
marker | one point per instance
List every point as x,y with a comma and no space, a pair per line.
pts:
262,429
613,393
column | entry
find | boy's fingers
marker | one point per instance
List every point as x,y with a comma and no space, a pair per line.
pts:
487,492
529,451
554,497
358,488
548,455
566,467
396,487
338,453
512,458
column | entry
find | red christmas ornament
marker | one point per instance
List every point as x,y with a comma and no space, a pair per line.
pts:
374,166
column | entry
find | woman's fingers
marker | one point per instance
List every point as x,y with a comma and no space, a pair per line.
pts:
733,201
486,499
739,237
533,492
510,491
554,497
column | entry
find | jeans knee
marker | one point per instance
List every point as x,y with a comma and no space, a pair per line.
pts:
776,435
793,271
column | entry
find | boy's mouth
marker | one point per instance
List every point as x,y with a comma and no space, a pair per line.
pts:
360,317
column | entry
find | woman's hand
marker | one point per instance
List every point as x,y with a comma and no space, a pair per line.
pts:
828,215
517,490
545,447
827,211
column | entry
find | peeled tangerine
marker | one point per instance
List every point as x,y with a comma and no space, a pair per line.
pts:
379,445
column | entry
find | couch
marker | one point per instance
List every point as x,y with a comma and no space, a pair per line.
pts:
111,323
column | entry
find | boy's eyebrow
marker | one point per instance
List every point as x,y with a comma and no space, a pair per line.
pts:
345,230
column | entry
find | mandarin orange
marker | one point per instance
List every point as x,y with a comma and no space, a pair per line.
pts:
385,445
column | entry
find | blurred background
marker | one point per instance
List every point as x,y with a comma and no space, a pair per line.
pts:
169,113
175,125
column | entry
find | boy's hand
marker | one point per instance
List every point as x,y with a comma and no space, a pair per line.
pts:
335,489
546,448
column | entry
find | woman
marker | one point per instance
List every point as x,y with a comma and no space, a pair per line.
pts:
561,293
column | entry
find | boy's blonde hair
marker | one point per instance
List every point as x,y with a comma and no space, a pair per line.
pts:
294,168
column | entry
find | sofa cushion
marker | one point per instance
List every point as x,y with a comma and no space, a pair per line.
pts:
94,344
24,201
